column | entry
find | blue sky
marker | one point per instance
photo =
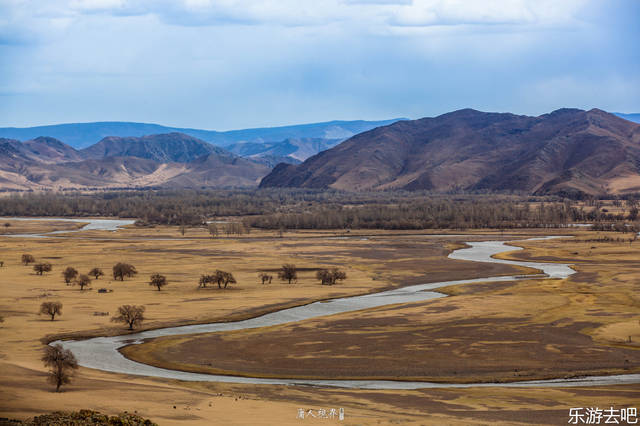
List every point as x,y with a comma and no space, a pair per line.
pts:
230,64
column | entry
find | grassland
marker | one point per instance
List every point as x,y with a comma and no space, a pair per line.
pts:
380,261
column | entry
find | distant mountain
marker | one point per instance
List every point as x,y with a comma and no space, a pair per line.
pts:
82,135
568,151
631,117
296,148
164,148
174,160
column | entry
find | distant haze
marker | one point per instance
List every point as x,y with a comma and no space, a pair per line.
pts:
81,135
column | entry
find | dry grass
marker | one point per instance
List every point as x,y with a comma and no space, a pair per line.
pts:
379,262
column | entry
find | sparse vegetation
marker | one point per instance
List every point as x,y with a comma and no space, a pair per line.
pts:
131,315
51,308
222,278
62,362
41,268
122,270
265,278
288,273
87,417
69,274
96,273
82,281
158,281
330,276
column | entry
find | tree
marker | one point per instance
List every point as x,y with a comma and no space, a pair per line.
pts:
213,230
266,278
224,278
96,273
1,263
69,274
288,273
330,276
130,314
62,363
158,280
206,279
27,259
41,268
51,308
83,281
7,225
121,270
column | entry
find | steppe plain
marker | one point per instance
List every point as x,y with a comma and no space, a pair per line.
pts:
487,332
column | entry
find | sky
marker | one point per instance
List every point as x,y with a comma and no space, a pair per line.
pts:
231,64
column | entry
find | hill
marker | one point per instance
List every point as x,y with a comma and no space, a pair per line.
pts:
164,148
568,151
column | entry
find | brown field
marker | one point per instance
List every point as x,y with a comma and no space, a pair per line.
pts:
595,311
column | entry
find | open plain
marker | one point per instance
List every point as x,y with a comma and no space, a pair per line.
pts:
486,332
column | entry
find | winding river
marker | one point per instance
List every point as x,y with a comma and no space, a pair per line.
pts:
102,352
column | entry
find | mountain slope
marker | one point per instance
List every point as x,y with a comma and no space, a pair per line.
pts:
296,148
164,148
81,135
567,151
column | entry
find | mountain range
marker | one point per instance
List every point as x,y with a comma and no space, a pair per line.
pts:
568,151
165,160
286,143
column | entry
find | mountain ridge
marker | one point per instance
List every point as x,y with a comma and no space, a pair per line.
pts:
567,151
82,135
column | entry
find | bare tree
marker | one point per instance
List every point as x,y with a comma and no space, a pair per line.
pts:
158,280
206,279
121,270
51,308
266,278
330,276
224,278
41,268
27,259
62,362
83,281
69,274
288,273
130,314
96,273
213,230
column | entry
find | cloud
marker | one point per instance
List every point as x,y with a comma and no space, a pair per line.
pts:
230,64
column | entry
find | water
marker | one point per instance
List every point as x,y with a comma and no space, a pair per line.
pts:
91,225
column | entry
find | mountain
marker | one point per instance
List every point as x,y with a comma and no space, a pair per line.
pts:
568,151
164,148
82,135
295,148
630,117
171,161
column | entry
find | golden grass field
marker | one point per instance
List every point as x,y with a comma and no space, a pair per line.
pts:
597,310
